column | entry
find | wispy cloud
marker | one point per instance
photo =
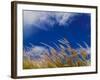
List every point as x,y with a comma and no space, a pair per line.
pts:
43,18
64,18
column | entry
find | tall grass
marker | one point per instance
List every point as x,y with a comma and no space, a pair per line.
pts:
65,57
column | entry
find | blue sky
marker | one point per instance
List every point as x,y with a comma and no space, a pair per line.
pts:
49,27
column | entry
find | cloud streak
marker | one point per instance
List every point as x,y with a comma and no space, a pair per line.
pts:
40,19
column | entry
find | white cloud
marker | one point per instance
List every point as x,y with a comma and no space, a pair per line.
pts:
63,18
33,18
39,19
30,17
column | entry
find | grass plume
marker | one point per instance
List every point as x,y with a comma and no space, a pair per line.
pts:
65,57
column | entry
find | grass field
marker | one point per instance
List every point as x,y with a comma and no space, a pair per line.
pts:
65,57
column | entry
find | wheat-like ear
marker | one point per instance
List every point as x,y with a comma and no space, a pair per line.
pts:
80,46
65,42
32,46
86,45
56,45
46,45
61,41
61,46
